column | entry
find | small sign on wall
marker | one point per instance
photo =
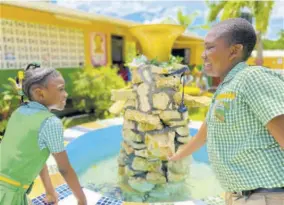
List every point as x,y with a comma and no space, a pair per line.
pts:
98,49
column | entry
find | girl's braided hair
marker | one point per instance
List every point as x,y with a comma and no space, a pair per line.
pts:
35,75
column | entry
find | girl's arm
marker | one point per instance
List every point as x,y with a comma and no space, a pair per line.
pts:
70,176
51,195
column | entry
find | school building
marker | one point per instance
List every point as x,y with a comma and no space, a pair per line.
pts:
69,39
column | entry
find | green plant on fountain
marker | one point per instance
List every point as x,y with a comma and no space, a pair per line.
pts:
155,118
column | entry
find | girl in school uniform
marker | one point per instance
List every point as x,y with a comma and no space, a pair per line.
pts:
32,134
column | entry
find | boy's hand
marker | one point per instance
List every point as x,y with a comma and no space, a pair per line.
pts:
51,198
174,157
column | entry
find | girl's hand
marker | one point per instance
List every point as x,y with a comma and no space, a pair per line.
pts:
82,202
51,198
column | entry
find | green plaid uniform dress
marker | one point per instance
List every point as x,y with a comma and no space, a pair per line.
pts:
242,153
51,131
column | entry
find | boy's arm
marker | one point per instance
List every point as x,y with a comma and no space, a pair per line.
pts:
193,145
70,176
51,195
275,127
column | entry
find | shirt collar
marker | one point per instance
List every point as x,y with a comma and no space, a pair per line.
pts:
36,105
237,68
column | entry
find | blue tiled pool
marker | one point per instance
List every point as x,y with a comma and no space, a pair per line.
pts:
98,145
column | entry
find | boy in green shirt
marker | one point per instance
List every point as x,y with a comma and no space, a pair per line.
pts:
244,128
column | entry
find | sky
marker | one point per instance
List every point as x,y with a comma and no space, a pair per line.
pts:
146,11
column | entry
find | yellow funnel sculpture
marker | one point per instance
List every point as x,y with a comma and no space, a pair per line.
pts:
157,40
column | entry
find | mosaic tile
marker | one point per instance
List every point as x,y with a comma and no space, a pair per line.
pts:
92,125
72,133
109,201
38,188
69,139
65,143
81,129
107,189
63,192
214,201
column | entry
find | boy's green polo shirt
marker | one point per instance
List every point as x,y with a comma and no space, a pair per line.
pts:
243,154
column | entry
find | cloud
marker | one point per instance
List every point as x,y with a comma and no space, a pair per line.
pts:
73,5
278,9
111,8
123,8
171,12
149,11
275,25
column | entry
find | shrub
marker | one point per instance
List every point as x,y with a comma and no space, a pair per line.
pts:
92,89
9,101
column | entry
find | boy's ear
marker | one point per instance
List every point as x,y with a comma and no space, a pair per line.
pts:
236,50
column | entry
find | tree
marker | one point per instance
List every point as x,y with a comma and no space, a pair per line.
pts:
185,20
260,10
275,45
281,37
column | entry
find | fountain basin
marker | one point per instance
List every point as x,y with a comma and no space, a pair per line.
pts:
94,157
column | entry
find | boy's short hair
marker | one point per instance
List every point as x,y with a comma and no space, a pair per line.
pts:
238,31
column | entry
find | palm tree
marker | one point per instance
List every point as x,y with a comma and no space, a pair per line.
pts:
185,20
260,10
275,44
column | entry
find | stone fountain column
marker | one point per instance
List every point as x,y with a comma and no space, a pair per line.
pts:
153,127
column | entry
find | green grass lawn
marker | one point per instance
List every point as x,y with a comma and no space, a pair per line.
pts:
71,122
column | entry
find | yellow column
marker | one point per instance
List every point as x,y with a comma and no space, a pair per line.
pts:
199,50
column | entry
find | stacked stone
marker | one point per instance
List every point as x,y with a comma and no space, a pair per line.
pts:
153,129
